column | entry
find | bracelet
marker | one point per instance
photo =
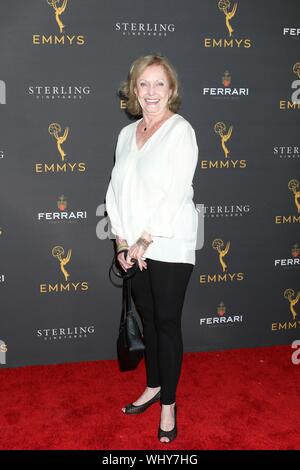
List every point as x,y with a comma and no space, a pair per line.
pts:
143,242
120,246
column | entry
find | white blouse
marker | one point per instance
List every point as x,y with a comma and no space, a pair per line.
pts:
151,190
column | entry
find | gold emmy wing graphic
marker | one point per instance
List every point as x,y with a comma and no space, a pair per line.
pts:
59,7
289,294
217,245
54,130
296,69
224,6
293,185
58,252
220,129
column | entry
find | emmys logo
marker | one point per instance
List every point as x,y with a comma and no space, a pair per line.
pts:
75,332
225,135
62,215
58,9
66,93
223,211
287,152
293,299
145,29
290,262
229,13
220,318
225,276
62,261
3,351
2,92
294,102
225,91
293,186
59,136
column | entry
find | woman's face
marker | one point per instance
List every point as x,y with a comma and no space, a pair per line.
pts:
153,90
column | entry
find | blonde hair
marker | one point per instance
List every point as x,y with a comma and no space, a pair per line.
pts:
126,89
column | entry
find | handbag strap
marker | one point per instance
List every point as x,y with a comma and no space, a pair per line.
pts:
128,294
120,273
126,299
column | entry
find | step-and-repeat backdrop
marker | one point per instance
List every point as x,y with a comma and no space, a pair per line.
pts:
62,62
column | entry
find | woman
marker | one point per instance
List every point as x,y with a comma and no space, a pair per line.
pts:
150,205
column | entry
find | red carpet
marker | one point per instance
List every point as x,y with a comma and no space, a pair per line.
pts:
238,399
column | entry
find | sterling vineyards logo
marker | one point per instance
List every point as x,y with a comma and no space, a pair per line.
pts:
286,152
70,332
222,211
63,92
144,29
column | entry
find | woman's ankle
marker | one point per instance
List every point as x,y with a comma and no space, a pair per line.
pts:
171,406
153,388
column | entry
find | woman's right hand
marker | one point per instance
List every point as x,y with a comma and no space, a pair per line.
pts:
127,263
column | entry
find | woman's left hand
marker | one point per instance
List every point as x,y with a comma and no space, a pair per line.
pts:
137,252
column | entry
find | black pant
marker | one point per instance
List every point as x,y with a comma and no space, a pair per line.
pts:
158,293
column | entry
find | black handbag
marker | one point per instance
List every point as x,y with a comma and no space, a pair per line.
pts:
130,342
